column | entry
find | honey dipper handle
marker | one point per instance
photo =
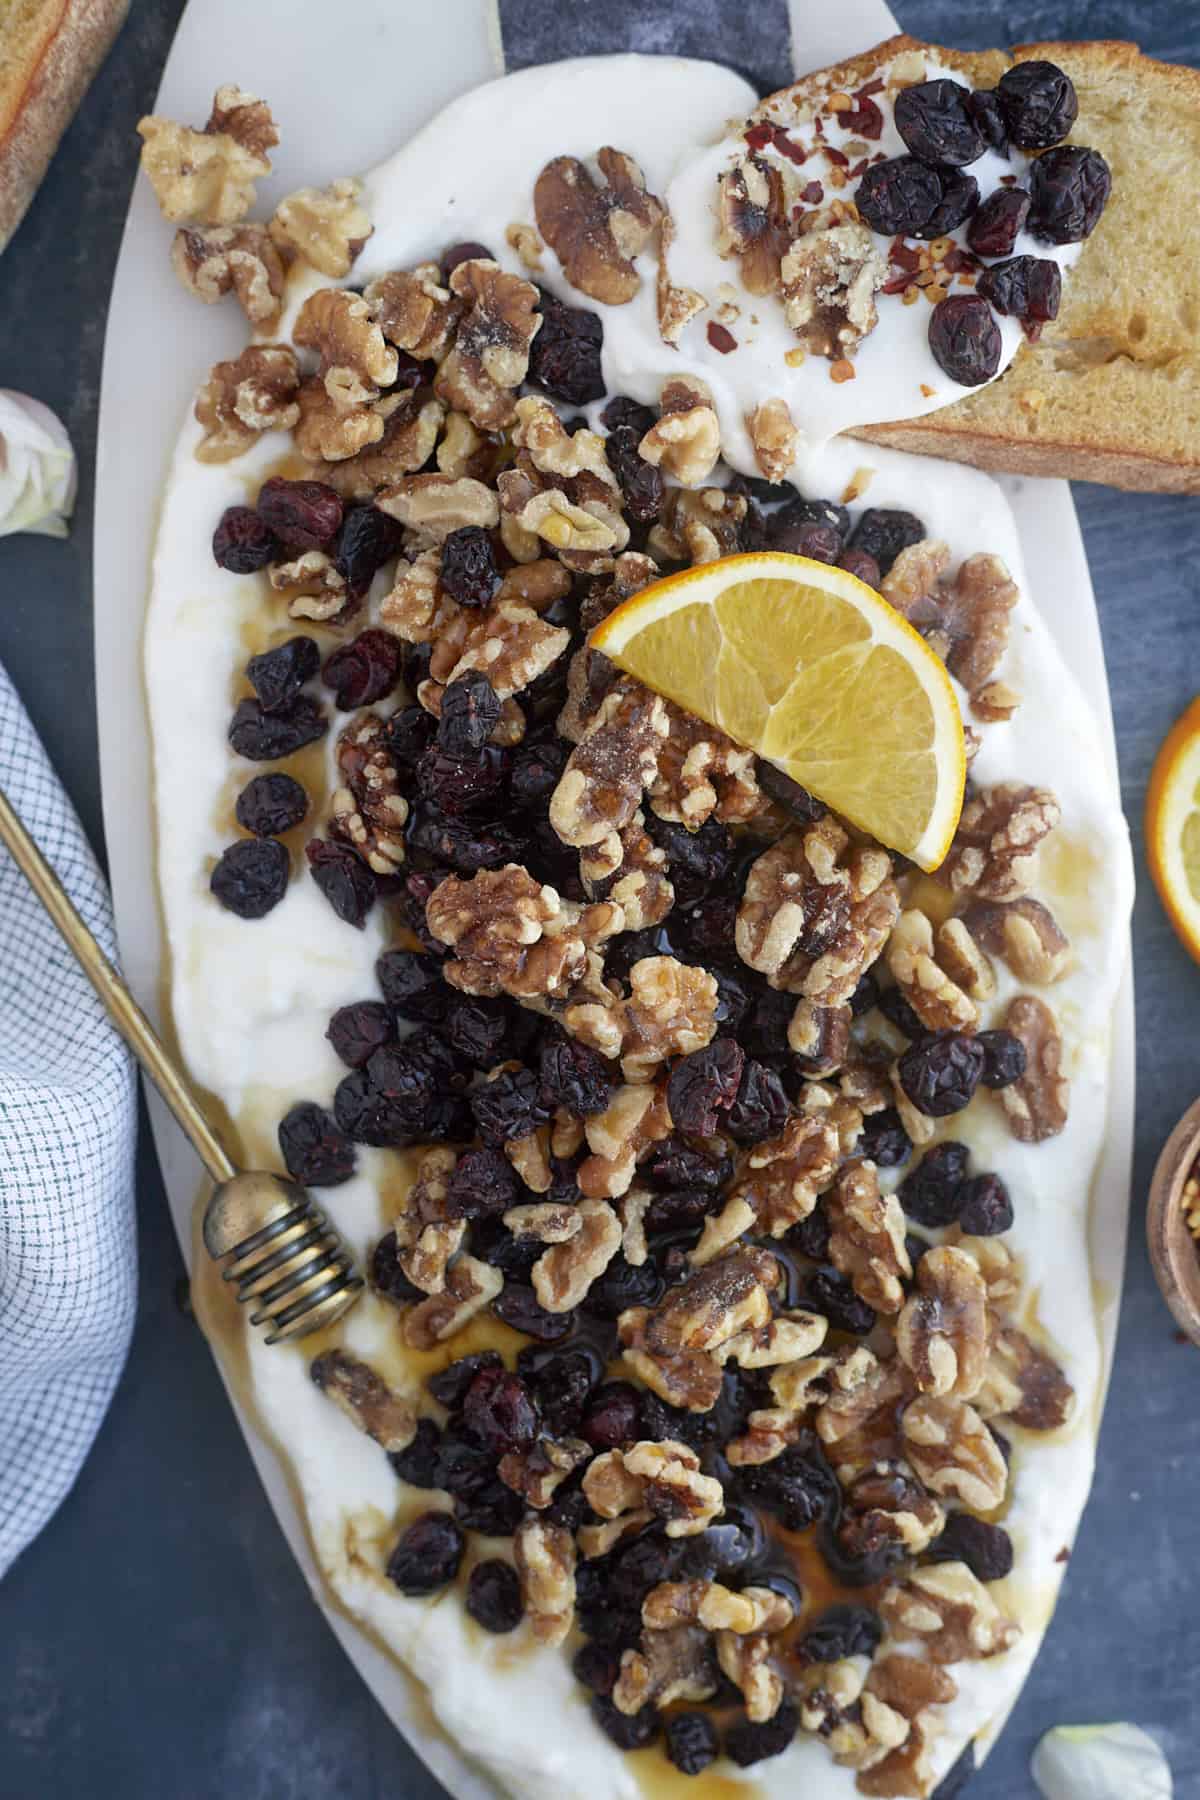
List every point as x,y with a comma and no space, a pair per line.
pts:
123,1009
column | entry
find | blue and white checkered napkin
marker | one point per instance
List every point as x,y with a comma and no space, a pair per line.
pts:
68,1269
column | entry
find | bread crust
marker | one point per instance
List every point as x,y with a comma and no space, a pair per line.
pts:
52,54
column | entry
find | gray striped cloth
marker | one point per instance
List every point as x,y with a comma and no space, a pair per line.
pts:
68,1268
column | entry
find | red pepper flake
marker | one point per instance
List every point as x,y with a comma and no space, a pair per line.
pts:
957,259
1008,181
904,254
813,193
860,168
1064,1555
1032,329
819,126
795,153
720,339
896,285
759,136
869,87
837,157
866,120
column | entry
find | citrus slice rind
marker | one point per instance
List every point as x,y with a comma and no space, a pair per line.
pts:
812,669
1173,826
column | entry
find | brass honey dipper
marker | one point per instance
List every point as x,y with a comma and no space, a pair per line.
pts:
273,1239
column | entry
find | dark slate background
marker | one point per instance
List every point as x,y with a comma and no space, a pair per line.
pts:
158,1640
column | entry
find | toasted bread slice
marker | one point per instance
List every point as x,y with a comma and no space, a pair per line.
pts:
1111,392
49,51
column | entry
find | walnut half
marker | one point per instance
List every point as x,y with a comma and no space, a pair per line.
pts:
596,228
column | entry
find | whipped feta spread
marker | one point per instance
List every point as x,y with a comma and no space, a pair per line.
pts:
251,1001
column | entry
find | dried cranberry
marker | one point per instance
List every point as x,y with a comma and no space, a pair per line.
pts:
477,1029
470,713
410,373
469,572
536,769
358,1030
509,1106
698,858
242,543
993,230
492,1509
494,1596
261,736
461,253
986,1549
790,794
392,1102
251,877
798,513
612,1417
817,541
1028,287
622,411
1070,188
932,1193
642,486
830,1293
965,339
573,1076
704,1085
842,1631
862,566
518,1306
960,197
797,1488
677,1209
368,539
940,1074
269,805
343,878
278,675
896,1009
675,1164
560,1382
388,1278
916,1247
884,1140
463,785
499,1409
409,734
865,995
760,1109
427,1555
987,1207
363,670
747,1743
596,1667
811,1236
564,357
936,123
1038,103
883,532
467,848
692,1742
628,1731
315,1152
1004,1058
413,985
623,1284
736,1540
984,108
449,1386
899,196
418,1464
955,1780
304,515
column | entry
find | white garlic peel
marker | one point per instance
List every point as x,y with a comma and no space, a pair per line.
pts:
1101,1762
37,467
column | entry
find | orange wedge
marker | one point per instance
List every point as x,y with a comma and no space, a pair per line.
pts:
813,670
1173,826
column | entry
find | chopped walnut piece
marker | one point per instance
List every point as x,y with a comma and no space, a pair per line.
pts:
1024,934
775,437
365,1398
327,431
816,912
830,275
671,1011
995,702
470,1286
867,1237
967,621
368,809
769,1432
410,431
326,226
427,1238
631,1210
676,1664
601,787
778,1186
1024,1384
953,1451
949,1611
995,849
436,505
1036,1104
859,1424
355,360
563,1274
916,965
315,586
800,1386
752,213
685,441
509,642
416,609
676,306
886,1506
537,1473
702,774
207,177
746,1661
463,450
819,1036
489,356
636,1118
596,230
665,1477
544,1555
552,448
786,1338
908,1686
674,1347
715,1607
214,260
414,311
638,884
585,535
942,1334
513,936
963,961
698,525
996,1264
256,392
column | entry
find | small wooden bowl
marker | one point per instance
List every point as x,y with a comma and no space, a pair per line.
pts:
1174,1252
